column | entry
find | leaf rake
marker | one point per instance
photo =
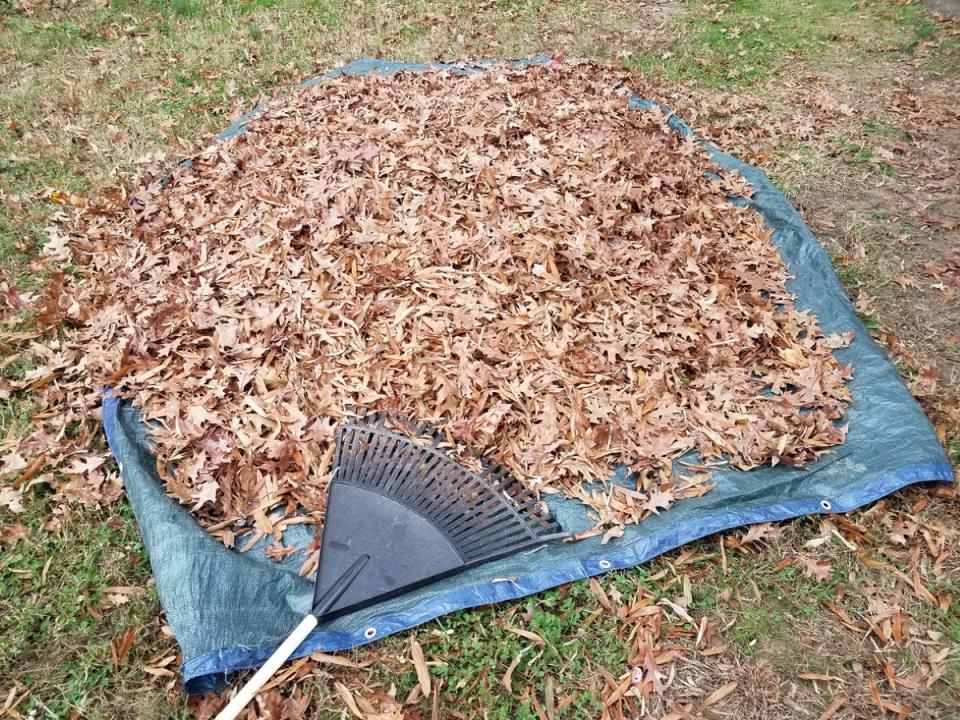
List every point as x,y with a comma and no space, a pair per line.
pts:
401,513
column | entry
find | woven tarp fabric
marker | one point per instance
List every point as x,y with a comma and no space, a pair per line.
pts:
229,610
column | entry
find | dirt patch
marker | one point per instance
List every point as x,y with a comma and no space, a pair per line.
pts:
948,8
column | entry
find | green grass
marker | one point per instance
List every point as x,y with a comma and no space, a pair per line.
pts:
745,41
29,182
58,616
883,130
14,416
329,12
947,60
40,40
413,31
250,5
859,152
187,8
477,648
922,26
953,448
135,73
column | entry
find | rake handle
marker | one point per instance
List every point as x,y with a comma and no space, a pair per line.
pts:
273,663
299,634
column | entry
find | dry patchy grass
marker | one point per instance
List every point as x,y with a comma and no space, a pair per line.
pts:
850,106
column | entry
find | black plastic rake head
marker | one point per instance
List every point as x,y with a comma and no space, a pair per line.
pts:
419,515
400,514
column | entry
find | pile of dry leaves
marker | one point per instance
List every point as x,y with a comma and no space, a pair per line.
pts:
553,280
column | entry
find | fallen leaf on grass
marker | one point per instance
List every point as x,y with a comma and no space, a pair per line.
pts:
678,610
11,499
110,600
820,570
420,664
905,281
719,694
120,646
158,671
528,634
348,699
830,710
819,676
602,598
508,675
761,531
11,534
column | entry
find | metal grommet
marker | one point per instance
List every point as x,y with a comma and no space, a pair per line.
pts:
605,564
370,633
825,504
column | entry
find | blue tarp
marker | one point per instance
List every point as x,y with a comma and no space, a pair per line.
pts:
229,610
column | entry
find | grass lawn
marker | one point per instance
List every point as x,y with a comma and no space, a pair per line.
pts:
850,106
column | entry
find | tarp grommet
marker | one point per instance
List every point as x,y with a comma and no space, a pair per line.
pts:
370,633
605,564
825,504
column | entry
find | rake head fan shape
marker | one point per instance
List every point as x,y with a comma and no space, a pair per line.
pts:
401,513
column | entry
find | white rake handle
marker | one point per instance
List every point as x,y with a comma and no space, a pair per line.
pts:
299,634
279,657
